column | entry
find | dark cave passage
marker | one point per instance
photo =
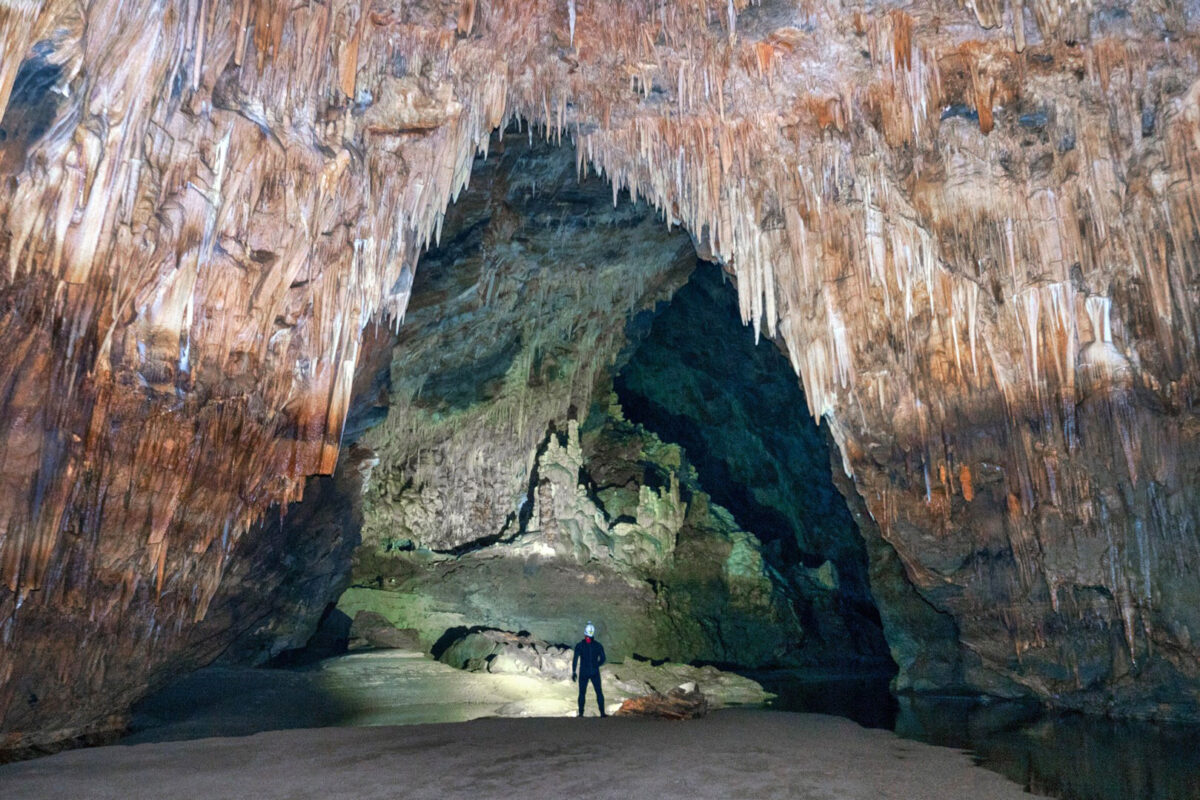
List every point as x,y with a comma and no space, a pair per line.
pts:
516,491
696,377
697,522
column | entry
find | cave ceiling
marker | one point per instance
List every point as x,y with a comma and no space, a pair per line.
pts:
973,227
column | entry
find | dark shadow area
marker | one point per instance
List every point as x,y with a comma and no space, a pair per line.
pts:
695,377
234,701
865,699
331,639
451,636
1072,756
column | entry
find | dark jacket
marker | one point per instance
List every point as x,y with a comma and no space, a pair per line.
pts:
589,655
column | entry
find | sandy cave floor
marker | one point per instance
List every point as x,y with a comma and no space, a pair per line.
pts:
404,726
382,687
733,753
392,687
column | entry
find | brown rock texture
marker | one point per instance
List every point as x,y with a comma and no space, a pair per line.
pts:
682,702
973,226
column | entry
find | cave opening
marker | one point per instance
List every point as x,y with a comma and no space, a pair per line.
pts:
580,427
570,424
573,424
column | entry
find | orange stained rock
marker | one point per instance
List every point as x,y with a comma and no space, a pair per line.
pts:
964,480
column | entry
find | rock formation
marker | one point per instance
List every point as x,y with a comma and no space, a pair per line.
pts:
972,225
513,321
644,684
698,379
664,573
511,493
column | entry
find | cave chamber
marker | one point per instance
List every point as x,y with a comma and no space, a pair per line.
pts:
263,381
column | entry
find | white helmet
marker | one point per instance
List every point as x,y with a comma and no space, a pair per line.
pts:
589,630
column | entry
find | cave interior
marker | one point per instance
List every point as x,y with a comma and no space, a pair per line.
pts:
825,356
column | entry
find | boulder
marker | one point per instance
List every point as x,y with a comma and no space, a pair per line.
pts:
371,630
490,650
634,678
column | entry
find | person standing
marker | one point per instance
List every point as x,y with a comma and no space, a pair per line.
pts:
589,656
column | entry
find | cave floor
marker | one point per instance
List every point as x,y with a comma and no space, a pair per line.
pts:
390,687
385,687
730,753
1073,757
394,723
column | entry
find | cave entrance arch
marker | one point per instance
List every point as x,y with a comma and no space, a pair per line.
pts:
562,443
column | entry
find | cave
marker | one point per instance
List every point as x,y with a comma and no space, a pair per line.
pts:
834,362
512,486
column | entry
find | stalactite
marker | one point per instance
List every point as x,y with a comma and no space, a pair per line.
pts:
918,209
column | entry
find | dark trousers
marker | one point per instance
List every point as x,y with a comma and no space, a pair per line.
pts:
583,682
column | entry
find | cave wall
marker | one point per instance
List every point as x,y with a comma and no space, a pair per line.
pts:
513,321
282,576
620,533
972,225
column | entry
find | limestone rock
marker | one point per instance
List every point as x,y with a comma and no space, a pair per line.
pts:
694,587
536,520
501,651
372,630
515,317
971,228
719,687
